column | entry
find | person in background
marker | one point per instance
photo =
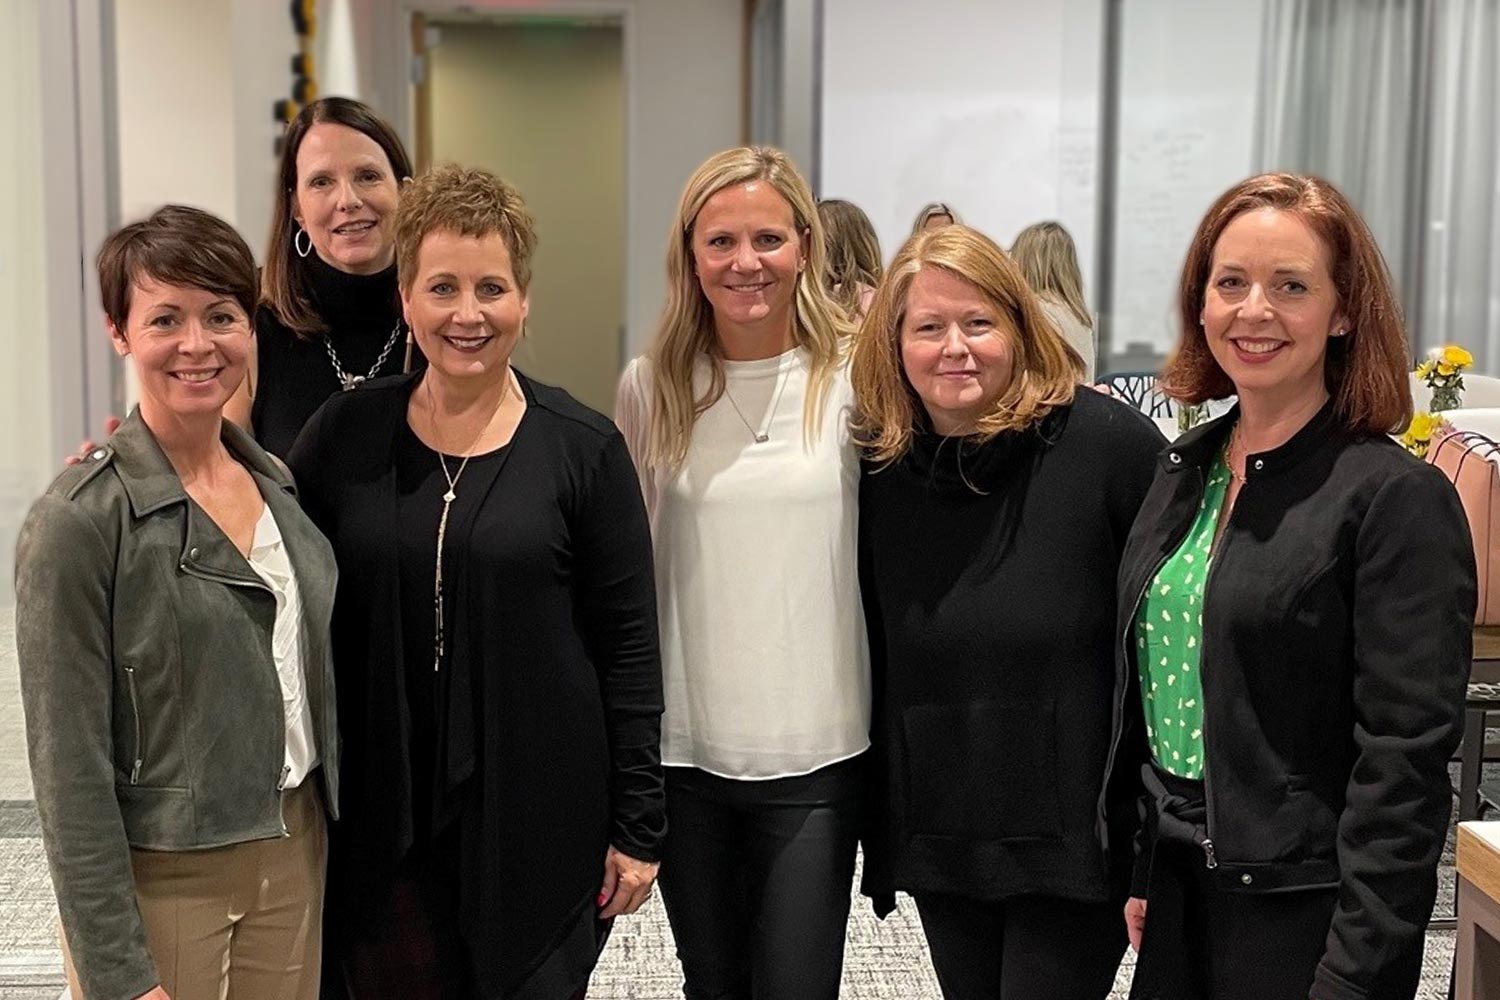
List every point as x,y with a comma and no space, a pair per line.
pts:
996,501
330,316
738,419
934,215
494,634
853,255
1049,260
173,610
1297,600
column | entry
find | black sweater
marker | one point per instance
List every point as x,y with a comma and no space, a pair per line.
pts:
550,703
294,374
991,617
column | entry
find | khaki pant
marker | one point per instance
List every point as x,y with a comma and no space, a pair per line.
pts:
243,922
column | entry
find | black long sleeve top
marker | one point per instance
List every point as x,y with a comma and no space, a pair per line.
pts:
988,573
549,714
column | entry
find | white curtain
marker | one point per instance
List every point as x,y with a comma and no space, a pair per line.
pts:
1339,96
1461,272
1395,101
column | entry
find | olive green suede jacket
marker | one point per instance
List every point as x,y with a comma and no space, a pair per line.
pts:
154,715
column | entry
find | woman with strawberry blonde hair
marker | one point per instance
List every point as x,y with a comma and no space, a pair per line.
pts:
738,421
995,504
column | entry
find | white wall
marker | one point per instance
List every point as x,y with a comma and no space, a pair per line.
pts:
1187,122
195,84
992,107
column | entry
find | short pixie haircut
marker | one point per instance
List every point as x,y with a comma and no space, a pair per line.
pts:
176,245
1045,370
466,201
1366,369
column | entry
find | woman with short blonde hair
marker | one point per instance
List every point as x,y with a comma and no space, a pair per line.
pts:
996,501
495,632
1049,260
738,421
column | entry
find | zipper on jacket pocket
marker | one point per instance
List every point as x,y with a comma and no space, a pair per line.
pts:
1209,861
135,711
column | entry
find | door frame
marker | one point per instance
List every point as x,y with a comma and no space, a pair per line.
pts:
413,14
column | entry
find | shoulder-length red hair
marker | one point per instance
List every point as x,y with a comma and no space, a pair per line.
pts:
1365,370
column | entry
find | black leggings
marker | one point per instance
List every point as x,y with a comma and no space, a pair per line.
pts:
756,878
1027,948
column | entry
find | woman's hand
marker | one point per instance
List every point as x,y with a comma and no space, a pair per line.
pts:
1135,921
111,424
627,884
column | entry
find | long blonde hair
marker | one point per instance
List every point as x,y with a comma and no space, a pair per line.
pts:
853,253
686,330
1049,260
1045,370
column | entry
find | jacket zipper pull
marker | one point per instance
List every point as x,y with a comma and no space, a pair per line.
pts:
135,772
286,772
1209,861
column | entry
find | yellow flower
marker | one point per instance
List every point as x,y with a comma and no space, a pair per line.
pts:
1424,369
1420,431
1456,357
1444,369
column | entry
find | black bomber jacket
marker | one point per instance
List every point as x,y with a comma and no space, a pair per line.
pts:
1337,638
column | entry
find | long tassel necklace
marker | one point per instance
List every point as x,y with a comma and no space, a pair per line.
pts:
448,498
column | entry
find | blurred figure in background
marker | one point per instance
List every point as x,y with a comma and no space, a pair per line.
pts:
853,253
934,215
1049,260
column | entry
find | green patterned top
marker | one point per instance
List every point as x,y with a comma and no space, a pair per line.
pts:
1168,631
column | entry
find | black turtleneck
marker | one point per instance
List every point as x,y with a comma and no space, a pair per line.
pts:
988,573
295,374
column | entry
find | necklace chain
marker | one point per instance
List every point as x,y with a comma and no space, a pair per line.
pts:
438,643
764,434
348,381
1234,439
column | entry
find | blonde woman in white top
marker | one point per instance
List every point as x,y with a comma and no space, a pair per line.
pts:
738,420
1049,260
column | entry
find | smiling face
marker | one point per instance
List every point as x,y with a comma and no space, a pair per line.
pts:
345,198
748,254
1270,306
190,347
464,305
956,349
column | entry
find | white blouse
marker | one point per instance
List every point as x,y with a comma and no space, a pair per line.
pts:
268,557
764,654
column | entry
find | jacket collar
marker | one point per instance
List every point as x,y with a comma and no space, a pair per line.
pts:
1198,447
149,479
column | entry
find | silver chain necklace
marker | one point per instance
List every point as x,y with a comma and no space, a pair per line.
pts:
438,643
348,381
764,434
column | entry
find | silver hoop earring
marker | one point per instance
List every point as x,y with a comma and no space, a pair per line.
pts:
297,242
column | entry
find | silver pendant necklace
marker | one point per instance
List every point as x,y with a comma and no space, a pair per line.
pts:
762,435
438,642
348,380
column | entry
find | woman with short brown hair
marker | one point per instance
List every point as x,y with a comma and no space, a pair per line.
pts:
996,499
1296,605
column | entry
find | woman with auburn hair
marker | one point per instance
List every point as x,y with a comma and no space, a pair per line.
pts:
494,635
853,253
1049,260
738,421
329,316
995,505
1299,647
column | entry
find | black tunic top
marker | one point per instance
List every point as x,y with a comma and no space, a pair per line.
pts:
548,717
294,373
988,574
